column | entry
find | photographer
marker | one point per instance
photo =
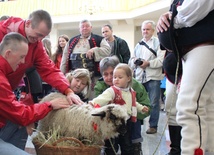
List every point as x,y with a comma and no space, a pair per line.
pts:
148,69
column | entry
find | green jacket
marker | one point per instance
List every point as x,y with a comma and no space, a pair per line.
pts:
141,94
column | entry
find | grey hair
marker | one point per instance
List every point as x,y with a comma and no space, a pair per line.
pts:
107,62
84,21
149,22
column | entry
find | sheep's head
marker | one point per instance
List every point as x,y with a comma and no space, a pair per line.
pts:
115,117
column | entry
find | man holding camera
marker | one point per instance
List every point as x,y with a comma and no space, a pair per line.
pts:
147,63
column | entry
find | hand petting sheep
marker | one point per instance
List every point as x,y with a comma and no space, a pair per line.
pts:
85,121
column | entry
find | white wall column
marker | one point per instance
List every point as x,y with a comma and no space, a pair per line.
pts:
126,32
53,37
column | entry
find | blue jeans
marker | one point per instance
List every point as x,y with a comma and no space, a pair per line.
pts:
136,136
14,134
153,89
9,149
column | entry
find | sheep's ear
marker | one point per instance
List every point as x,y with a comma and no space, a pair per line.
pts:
101,114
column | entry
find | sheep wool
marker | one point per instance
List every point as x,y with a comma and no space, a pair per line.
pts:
85,121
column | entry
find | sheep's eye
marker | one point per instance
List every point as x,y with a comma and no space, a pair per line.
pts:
112,117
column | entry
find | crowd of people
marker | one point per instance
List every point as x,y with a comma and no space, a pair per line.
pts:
98,70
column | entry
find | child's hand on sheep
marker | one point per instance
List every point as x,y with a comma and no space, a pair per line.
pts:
94,104
145,109
59,103
73,98
91,103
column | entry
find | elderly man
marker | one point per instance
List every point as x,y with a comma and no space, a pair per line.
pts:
147,62
85,51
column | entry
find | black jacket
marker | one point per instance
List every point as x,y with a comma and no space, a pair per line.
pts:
121,50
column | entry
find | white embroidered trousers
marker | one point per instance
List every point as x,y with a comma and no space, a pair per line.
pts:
195,103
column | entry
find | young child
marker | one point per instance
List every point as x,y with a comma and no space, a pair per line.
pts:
80,82
122,93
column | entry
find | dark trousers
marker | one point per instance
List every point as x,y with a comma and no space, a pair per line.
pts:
124,141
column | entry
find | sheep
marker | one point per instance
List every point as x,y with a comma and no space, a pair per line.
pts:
81,121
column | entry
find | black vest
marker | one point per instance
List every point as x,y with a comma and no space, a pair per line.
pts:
79,60
201,32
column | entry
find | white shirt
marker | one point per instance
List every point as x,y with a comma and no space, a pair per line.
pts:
192,11
154,70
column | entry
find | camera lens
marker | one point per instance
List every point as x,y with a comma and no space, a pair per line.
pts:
138,62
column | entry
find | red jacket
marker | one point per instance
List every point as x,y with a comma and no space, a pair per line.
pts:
58,60
10,108
36,56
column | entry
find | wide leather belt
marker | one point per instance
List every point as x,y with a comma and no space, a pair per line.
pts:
186,49
80,61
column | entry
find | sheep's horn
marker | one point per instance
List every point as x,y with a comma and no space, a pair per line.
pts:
101,114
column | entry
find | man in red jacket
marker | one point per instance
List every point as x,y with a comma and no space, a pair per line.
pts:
13,50
34,29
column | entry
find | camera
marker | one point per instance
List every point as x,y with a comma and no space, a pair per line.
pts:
138,62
